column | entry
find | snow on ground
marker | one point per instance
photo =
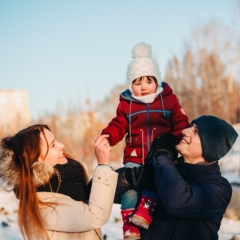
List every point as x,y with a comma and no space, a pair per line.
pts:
113,229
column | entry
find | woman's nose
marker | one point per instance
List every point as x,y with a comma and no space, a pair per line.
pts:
61,146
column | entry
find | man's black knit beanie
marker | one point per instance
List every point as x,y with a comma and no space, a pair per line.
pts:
217,137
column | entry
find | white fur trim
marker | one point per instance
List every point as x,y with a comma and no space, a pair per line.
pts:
42,173
8,170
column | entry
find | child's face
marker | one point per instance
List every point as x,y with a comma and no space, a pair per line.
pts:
144,86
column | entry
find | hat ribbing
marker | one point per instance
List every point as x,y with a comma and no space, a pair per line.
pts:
217,136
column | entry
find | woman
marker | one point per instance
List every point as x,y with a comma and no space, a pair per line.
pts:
46,180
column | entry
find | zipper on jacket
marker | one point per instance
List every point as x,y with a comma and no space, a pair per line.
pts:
148,128
130,122
142,146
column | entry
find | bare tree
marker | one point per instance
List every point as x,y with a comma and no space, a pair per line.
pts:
205,80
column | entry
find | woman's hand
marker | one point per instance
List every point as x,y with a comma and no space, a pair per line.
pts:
102,149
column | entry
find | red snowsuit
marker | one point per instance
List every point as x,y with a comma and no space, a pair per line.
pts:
143,122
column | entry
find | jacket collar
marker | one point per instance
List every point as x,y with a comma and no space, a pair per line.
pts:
193,171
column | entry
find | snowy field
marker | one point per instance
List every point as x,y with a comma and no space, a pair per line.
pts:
113,229
230,166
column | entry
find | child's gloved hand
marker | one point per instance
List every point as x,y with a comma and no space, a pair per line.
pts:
164,145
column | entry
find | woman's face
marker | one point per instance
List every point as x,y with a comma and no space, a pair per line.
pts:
51,150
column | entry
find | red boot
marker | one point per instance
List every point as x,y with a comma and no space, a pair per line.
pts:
130,230
143,216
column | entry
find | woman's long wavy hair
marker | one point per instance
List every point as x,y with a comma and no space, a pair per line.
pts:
26,146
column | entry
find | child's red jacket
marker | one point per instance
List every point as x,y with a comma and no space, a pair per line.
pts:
143,122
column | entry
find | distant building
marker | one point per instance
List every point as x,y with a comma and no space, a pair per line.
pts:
14,110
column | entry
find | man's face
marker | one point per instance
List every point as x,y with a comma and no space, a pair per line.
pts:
190,146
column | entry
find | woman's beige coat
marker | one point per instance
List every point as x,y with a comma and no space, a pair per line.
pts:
75,220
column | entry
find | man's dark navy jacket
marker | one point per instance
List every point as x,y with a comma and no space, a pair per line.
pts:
193,199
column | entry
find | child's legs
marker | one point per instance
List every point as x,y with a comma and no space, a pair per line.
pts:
129,199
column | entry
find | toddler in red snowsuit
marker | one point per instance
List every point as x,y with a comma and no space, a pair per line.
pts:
146,110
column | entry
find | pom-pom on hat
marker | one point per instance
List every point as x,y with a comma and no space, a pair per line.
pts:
142,64
217,137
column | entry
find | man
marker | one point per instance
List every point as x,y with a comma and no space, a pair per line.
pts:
193,194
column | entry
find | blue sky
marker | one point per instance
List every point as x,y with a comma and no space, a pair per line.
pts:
63,52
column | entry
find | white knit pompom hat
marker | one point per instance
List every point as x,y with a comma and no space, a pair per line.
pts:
142,64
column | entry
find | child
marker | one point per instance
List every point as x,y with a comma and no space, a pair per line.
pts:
146,110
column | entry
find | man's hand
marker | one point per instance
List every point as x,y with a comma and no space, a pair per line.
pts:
134,176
